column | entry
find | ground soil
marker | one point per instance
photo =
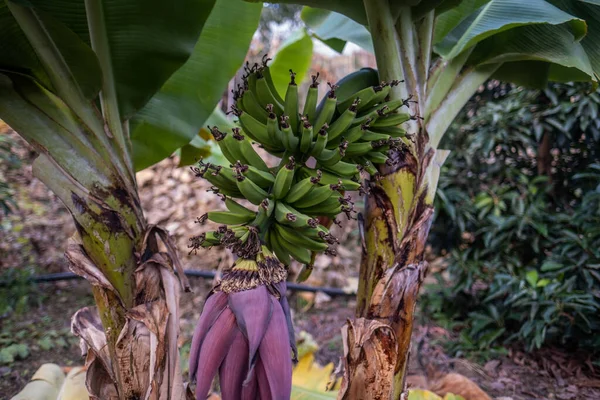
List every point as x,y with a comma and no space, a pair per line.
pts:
173,198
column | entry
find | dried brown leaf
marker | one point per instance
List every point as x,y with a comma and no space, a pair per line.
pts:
370,355
81,265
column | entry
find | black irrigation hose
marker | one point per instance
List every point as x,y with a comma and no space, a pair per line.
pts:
296,287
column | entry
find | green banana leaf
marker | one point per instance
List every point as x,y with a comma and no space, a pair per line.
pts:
296,54
531,62
147,40
535,41
497,16
18,56
167,65
177,112
328,26
589,11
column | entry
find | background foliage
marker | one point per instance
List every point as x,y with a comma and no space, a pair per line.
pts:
8,160
518,211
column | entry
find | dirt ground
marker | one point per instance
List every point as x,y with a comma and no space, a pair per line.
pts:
34,236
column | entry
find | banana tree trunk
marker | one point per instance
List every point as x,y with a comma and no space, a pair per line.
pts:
398,217
399,208
130,338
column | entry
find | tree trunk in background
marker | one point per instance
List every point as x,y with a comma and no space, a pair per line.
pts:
544,158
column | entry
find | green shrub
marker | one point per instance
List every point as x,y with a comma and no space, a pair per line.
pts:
519,217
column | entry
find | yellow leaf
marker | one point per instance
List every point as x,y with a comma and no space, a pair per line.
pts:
74,386
44,384
420,394
310,380
450,396
310,375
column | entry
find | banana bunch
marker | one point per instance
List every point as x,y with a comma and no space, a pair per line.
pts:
324,146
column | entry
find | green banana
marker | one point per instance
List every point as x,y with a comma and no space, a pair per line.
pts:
229,218
332,179
302,189
255,129
247,152
265,96
251,191
381,92
263,179
392,120
283,255
369,118
310,105
251,105
329,207
226,192
326,113
273,127
377,158
286,215
290,107
342,123
343,168
330,157
378,111
349,85
237,208
350,136
318,232
369,136
390,106
215,176
284,179
297,239
358,149
307,135
250,77
213,238
368,166
364,96
227,144
266,71
321,141
317,195
290,142
298,253
393,131
265,210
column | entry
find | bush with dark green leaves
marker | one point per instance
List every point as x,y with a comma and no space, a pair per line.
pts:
518,215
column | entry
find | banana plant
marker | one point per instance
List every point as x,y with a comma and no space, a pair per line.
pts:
101,89
443,51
